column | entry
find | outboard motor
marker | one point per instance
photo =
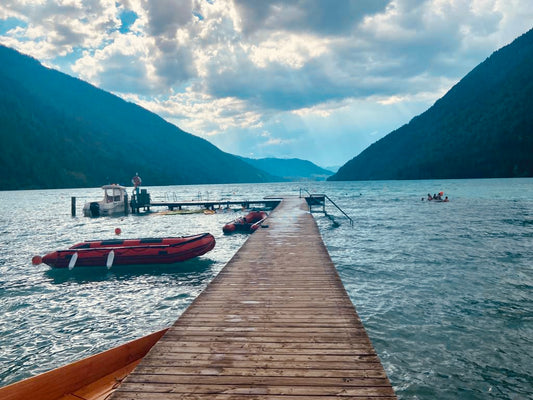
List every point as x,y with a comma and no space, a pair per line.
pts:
95,209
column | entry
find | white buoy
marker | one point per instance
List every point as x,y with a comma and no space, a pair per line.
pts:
72,261
110,258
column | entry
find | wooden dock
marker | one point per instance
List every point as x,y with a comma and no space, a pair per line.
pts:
276,323
213,204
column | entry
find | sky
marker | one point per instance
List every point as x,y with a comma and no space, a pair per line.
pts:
319,80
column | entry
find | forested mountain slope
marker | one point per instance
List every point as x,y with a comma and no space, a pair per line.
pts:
57,131
482,128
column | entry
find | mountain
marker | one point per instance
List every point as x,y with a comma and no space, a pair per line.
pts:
57,132
292,169
481,128
333,168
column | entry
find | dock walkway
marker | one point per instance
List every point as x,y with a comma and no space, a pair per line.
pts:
212,204
276,323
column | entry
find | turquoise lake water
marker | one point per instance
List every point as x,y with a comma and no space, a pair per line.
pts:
444,289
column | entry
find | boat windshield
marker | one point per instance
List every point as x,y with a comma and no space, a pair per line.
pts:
113,195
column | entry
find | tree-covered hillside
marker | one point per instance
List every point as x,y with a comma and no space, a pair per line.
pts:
482,128
57,131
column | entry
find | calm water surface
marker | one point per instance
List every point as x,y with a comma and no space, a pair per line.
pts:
444,289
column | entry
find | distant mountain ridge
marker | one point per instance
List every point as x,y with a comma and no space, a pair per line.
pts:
291,169
481,128
57,132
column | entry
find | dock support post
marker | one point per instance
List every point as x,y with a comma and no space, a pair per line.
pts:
73,206
126,205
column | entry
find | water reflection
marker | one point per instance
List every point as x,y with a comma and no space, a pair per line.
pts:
199,266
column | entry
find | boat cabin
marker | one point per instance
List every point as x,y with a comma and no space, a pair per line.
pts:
113,202
113,193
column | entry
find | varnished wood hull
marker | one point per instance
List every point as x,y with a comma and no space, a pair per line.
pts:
92,378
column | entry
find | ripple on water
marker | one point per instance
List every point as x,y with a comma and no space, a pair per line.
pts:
444,289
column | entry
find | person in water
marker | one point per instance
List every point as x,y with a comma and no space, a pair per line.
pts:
429,197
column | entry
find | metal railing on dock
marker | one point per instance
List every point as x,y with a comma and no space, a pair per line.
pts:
314,199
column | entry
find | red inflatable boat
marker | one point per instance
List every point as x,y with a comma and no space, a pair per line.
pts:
98,253
249,223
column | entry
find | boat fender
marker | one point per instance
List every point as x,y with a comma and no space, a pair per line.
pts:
72,261
110,259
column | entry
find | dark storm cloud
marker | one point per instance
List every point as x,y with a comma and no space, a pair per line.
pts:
166,16
318,16
177,64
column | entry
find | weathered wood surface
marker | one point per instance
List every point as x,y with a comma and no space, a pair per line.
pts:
276,323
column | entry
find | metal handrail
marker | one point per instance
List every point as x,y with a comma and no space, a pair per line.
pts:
332,202
340,209
306,191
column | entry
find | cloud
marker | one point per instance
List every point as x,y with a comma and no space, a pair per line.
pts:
197,112
57,28
122,66
165,17
304,16
298,71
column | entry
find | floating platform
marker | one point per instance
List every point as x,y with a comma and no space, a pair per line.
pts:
276,323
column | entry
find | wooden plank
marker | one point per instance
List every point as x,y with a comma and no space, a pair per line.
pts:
189,344
375,372
262,349
271,358
257,339
218,396
276,323
236,389
177,362
258,381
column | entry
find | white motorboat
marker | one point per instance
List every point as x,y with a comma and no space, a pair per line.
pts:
112,204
